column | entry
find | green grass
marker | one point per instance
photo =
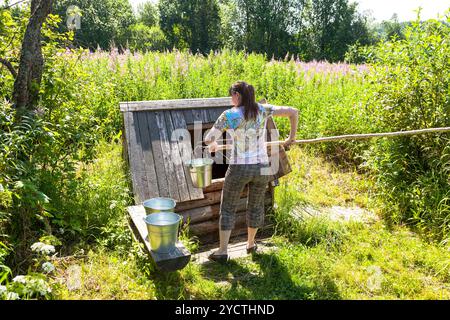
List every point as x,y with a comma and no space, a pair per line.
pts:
312,259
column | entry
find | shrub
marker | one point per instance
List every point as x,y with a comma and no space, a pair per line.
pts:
410,91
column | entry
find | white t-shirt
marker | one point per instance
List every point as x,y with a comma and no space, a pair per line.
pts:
249,138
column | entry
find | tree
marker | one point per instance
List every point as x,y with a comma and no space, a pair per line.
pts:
102,22
27,82
142,37
320,29
148,14
269,25
334,25
191,24
392,28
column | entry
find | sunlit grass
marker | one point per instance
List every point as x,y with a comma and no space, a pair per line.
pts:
316,259
318,182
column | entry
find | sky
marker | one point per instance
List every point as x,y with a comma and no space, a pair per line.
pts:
384,9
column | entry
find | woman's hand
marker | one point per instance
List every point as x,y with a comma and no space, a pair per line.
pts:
292,114
288,142
213,147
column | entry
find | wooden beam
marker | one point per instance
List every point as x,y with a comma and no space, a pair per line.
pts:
366,136
210,199
211,222
154,105
196,215
216,184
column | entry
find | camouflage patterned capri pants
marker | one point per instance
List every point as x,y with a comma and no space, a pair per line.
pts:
236,178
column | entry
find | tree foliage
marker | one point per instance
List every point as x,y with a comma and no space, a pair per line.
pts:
319,30
148,14
191,24
102,22
411,82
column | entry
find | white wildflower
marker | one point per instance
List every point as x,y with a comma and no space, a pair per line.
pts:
48,249
113,204
48,267
42,248
12,296
37,247
20,279
2,290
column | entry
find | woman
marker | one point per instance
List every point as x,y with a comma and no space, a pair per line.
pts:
245,122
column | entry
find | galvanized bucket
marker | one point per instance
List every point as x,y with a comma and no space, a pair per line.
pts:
200,170
163,230
159,204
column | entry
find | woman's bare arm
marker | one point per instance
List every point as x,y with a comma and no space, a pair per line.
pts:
292,114
212,135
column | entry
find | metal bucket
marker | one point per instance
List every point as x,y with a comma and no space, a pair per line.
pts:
163,230
201,171
160,204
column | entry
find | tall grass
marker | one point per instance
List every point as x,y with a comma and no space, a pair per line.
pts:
332,99
328,95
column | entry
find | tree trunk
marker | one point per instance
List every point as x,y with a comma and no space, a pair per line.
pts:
25,95
26,86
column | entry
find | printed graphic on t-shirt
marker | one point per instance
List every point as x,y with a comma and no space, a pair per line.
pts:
248,135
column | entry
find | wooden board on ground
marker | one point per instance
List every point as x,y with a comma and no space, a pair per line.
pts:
172,261
236,249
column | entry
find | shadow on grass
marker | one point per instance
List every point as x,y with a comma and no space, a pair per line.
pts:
168,285
273,281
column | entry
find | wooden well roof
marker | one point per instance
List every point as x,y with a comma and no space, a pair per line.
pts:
154,159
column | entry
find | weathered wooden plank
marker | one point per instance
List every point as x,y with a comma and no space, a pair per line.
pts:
205,115
171,261
169,166
185,148
208,232
237,248
210,199
214,113
151,189
137,163
175,104
180,168
216,184
158,155
125,138
188,117
129,156
197,116
211,224
196,215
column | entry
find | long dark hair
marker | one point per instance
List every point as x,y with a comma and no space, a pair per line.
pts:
247,92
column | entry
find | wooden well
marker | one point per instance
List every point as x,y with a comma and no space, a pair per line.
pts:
157,170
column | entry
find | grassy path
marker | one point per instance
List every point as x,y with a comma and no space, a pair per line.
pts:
312,256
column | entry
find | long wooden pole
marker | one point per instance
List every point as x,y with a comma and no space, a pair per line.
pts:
355,137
